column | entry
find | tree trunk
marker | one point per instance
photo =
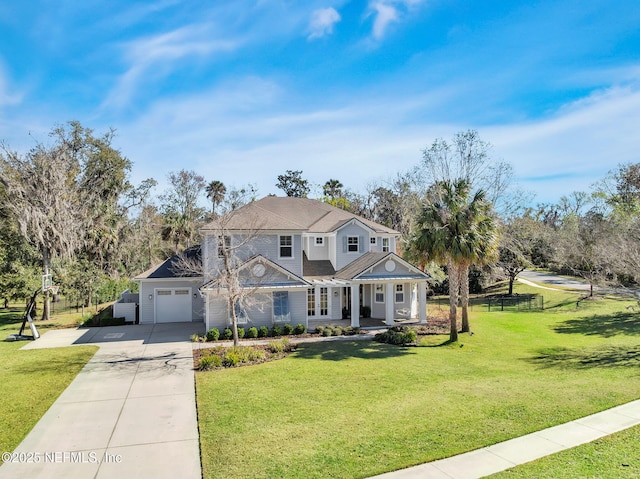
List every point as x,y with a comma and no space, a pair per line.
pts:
46,255
464,296
511,280
452,272
234,322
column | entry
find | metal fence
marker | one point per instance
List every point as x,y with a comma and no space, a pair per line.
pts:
517,302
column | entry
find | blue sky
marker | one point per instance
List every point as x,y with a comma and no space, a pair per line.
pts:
241,91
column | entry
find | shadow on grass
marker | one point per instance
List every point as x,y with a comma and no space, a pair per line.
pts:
341,350
602,325
607,356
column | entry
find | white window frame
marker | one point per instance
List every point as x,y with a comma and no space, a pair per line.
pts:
280,246
311,303
399,292
379,287
386,245
319,243
350,244
372,240
241,318
280,319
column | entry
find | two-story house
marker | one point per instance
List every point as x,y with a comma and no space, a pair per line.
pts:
302,260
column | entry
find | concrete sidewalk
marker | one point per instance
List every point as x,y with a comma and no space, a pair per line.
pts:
130,412
505,455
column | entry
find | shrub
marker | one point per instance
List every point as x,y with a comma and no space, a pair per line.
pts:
280,346
252,332
337,331
398,335
240,333
347,330
276,330
230,359
328,331
263,332
365,311
227,333
195,338
213,334
287,329
300,329
209,362
319,329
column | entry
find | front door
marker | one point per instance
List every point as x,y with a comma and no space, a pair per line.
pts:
318,302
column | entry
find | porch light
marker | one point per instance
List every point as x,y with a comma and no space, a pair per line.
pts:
150,297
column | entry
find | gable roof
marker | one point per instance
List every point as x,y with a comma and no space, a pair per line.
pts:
370,260
172,267
287,213
296,281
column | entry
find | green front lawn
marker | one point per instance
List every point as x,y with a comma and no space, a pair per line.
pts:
30,381
613,457
356,409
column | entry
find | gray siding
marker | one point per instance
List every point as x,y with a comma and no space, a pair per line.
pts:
261,314
343,258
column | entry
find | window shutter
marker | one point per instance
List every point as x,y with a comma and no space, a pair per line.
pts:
344,244
360,244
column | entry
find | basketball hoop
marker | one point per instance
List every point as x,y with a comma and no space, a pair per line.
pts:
53,289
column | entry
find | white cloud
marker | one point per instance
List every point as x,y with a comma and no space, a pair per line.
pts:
387,12
322,22
243,132
156,56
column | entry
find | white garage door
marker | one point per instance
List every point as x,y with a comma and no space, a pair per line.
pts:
173,305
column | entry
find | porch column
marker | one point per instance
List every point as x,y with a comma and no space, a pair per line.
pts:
422,302
355,305
389,304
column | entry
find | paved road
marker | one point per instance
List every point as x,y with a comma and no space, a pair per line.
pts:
554,280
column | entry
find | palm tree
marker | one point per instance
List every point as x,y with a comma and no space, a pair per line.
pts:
455,229
215,192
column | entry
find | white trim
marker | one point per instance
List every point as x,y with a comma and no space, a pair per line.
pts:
375,293
396,292
357,244
280,246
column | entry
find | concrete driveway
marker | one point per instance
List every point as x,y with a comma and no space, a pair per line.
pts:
130,412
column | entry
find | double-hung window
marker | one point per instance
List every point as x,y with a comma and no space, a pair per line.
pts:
352,244
385,245
379,293
286,246
399,293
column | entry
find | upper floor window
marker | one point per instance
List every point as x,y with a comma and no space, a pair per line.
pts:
385,245
286,246
222,246
352,244
372,240
319,241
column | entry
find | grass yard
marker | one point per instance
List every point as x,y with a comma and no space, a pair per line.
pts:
30,381
611,457
356,409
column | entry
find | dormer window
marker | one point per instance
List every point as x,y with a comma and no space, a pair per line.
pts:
385,245
352,244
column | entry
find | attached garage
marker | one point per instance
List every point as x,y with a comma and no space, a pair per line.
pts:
173,305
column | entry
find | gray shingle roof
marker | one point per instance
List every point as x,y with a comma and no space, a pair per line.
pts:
172,269
285,213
